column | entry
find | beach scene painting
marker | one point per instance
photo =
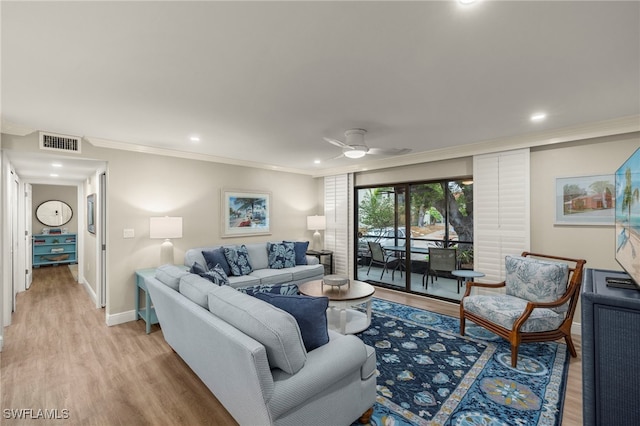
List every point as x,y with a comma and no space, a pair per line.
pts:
585,200
628,215
245,213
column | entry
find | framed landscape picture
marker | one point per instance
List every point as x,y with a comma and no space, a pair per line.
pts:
585,200
245,213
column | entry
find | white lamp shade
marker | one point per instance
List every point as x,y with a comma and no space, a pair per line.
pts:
165,227
316,223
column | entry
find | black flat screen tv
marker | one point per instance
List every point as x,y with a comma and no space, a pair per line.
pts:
627,217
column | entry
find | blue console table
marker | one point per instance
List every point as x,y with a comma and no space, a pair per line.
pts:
147,312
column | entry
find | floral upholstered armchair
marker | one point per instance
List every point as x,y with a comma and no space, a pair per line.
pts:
538,305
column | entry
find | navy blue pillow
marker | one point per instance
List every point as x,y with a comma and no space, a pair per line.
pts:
197,269
309,312
216,257
300,247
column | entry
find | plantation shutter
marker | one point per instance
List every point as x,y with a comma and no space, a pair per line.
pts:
501,217
338,210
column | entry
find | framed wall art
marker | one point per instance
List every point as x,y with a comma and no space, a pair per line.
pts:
585,200
245,213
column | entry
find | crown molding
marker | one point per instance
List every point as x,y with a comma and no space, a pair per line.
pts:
124,146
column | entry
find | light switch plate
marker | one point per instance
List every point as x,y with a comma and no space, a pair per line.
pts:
128,233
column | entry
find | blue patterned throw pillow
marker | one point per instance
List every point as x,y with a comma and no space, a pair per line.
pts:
281,255
270,288
216,275
238,259
300,247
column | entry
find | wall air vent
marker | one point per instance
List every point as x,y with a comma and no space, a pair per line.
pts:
56,142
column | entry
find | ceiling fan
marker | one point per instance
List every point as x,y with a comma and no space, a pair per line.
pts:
355,146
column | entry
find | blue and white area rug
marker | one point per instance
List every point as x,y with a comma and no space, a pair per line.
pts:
430,375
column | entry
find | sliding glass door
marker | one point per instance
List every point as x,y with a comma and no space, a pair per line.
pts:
399,224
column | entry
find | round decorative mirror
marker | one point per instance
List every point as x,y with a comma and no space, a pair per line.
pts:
54,213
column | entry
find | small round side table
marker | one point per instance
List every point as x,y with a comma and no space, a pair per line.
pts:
466,273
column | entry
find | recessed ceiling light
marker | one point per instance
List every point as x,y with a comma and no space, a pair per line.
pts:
538,116
316,161
53,175
56,164
466,2
194,138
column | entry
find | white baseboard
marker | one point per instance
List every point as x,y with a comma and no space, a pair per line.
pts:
121,318
87,287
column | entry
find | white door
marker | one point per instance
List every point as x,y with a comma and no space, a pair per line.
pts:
28,212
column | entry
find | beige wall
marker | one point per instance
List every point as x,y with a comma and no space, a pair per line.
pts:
443,169
68,194
591,157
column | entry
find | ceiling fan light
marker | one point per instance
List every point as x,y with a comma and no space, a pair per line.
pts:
354,153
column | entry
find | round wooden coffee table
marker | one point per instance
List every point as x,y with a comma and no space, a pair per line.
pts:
340,316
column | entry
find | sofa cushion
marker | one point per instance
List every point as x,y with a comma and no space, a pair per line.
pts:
170,275
274,328
273,276
504,310
196,289
281,255
301,272
536,280
270,288
258,255
238,259
216,256
309,312
244,281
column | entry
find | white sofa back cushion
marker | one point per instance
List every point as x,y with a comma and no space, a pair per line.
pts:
258,255
196,289
170,275
274,328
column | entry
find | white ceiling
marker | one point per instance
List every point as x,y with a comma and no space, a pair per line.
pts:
264,82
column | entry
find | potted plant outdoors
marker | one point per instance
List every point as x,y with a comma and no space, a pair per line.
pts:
465,258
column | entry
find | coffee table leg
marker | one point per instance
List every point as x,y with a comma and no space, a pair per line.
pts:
343,321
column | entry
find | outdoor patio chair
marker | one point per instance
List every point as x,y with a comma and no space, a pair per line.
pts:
542,292
379,257
440,260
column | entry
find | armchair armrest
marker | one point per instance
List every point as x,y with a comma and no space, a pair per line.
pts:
487,285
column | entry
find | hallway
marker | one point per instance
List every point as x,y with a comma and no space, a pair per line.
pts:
60,356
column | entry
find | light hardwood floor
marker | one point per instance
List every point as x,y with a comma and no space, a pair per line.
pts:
59,355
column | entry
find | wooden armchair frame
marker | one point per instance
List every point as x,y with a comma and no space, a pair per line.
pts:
514,335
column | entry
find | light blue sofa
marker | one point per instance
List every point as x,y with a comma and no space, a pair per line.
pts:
262,274
251,356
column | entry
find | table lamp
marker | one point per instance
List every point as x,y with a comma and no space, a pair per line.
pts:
316,223
165,227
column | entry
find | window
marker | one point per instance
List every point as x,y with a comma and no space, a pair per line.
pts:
434,214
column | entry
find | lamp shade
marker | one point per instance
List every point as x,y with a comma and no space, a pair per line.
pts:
316,223
165,227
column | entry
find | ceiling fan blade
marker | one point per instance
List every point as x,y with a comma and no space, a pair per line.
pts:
335,142
389,151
